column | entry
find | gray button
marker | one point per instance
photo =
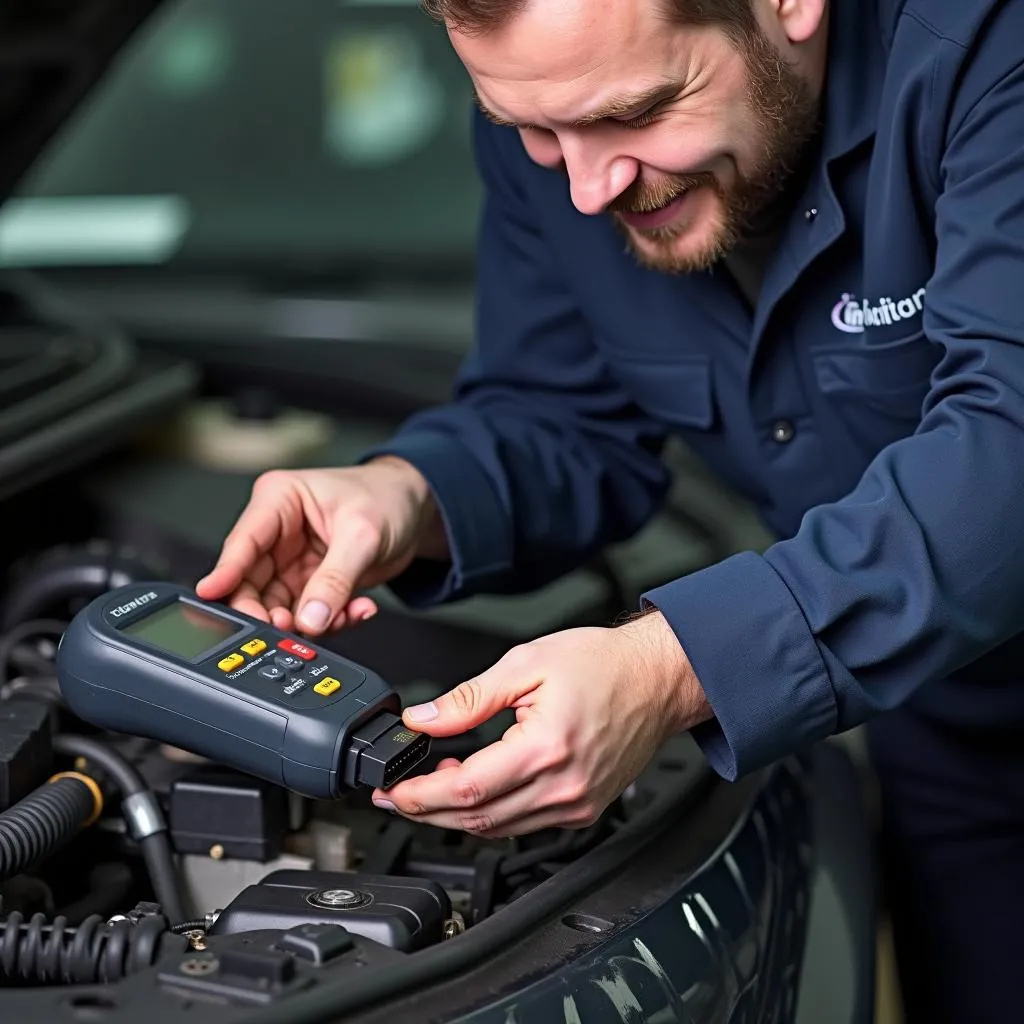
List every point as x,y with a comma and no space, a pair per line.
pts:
289,663
783,431
272,672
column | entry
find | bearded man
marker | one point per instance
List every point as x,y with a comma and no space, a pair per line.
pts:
790,232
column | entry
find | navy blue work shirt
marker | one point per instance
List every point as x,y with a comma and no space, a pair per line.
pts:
871,406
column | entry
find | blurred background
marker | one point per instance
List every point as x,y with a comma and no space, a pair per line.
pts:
283,198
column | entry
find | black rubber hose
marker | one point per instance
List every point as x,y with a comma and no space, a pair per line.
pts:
38,953
43,822
122,773
156,848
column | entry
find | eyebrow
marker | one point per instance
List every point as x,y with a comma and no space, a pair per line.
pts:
619,106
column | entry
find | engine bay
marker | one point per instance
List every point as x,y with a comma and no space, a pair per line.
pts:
130,862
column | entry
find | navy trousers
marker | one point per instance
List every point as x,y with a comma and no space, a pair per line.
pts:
952,854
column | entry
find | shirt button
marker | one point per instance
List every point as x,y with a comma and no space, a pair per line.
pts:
811,213
783,431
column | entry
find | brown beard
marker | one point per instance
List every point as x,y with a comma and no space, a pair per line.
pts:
786,114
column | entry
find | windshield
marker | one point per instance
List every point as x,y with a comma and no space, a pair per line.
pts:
323,132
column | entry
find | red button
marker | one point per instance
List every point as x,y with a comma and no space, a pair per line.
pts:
299,650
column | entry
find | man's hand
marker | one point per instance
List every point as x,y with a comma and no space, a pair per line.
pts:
593,706
310,539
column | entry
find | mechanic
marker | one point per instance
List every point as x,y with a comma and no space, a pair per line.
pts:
792,233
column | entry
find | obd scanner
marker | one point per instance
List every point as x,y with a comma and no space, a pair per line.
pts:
154,660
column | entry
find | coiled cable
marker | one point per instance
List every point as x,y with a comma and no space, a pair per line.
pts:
96,952
45,820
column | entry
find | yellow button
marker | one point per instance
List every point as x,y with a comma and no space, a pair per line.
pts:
254,647
232,661
327,686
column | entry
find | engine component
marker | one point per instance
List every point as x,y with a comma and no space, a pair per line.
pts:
403,913
212,883
46,819
40,953
60,581
26,751
246,817
142,814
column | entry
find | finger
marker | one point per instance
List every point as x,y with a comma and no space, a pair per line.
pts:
570,816
257,530
497,769
361,608
353,549
248,598
282,619
475,701
448,762
526,809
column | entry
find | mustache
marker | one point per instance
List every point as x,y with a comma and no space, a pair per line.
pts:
648,196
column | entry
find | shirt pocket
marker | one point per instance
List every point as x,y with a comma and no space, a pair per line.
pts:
677,391
891,380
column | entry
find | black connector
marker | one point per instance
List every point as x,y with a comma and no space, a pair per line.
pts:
385,750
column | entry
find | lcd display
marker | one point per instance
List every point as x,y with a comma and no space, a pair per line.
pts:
183,629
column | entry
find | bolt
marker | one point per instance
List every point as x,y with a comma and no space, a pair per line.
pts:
338,898
196,939
217,851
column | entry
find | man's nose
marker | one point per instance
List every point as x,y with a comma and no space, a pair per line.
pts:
595,179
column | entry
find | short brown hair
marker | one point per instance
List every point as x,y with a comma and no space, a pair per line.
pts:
474,17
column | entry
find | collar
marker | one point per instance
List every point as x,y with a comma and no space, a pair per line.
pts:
857,58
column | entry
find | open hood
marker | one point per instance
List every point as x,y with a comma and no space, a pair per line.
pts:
52,53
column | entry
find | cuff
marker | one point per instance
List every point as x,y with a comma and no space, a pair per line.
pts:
475,521
757,661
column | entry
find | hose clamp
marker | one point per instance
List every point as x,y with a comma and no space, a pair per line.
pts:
143,815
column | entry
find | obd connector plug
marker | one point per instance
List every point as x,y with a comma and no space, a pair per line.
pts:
383,751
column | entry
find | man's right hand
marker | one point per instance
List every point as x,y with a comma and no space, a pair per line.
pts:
309,540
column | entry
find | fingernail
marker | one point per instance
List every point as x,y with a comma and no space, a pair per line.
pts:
314,615
368,614
422,712
384,805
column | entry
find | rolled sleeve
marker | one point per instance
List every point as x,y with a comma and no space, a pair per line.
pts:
757,661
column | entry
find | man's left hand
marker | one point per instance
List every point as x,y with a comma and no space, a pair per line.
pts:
593,705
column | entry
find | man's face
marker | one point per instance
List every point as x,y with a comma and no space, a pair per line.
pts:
681,134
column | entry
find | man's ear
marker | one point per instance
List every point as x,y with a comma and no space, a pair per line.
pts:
799,20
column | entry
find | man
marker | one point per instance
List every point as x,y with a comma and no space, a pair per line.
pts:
791,232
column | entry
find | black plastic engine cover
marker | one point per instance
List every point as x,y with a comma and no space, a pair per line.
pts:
404,913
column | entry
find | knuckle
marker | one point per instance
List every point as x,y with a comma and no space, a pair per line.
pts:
467,793
583,816
519,657
556,753
270,482
334,581
467,697
474,822
574,790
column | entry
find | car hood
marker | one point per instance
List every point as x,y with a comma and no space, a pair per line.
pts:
52,53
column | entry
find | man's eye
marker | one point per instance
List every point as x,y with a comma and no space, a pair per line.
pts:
641,120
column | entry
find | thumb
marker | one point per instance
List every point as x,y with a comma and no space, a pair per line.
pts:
470,704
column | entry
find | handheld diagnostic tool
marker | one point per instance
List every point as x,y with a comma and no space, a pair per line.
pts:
154,660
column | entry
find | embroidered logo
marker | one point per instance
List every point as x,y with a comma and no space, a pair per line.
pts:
852,317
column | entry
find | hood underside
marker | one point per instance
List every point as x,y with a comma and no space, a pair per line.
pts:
52,53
